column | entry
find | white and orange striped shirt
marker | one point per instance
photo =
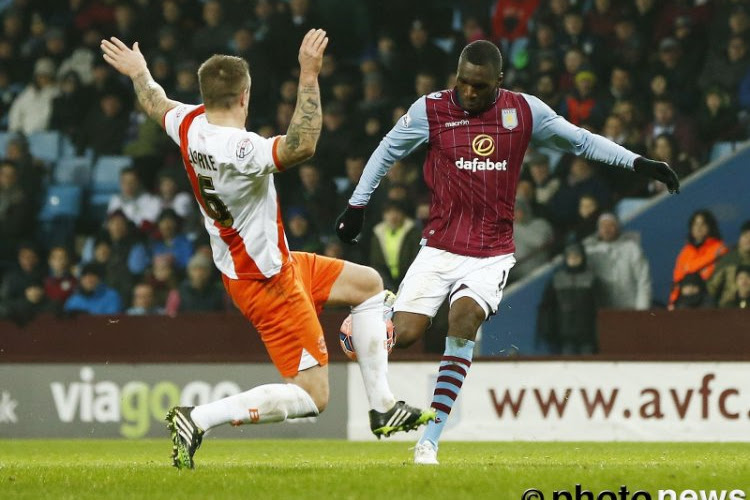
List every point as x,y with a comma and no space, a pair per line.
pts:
230,172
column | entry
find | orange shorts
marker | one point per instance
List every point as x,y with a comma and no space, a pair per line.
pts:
285,308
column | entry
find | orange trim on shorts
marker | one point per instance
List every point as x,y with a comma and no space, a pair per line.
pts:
285,308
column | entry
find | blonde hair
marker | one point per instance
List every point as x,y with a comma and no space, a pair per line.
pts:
222,80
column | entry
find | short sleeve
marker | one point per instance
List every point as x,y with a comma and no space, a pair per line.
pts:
173,118
253,154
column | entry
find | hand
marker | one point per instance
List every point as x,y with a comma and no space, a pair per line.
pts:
658,170
349,224
311,52
129,62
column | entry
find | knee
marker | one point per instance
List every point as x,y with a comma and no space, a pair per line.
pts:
406,334
372,282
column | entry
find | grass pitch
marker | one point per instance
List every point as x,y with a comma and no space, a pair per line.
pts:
339,469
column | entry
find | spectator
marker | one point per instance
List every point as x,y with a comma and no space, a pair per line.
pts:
300,233
421,54
666,121
545,184
510,25
32,109
583,105
394,244
618,262
717,119
9,90
741,298
105,126
533,237
628,44
676,68
60,282
116,274
702,251
170,196
70,107
199,292
213,36
145,143
727,69
15,207
144,302
692,293
582,179
93,296
140,207
186,83
665,148
127,251
171,240
722,284
26,271
566,321
26,307
164,279
317,194
335,139
588,217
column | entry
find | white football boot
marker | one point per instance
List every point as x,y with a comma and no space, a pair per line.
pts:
425,454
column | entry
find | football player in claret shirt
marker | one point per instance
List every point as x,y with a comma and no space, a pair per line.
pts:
477,135
279,291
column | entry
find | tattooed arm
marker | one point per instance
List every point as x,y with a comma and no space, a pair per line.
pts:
304,130
131,63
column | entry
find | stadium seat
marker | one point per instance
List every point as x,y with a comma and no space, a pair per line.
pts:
720,149
61,201
45,145
4,136
628,206
106,177
75,170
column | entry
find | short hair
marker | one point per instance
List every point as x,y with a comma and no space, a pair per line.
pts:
222,80
481,53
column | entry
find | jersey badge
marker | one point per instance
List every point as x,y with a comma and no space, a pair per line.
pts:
510,118
244,147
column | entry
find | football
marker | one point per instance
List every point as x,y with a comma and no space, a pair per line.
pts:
347,344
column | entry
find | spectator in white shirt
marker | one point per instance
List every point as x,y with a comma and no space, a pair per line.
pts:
140,207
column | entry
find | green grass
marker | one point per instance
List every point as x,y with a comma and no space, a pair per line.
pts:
337,469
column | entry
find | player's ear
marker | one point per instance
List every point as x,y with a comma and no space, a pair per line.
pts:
500,79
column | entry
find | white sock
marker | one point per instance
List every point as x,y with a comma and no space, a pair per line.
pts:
260,405
368,337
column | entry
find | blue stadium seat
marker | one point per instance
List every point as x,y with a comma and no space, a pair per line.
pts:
45,145
720,149
628,206
107,169
75,170
4,136
61,201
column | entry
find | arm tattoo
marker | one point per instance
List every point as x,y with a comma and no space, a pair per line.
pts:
306,123
152,97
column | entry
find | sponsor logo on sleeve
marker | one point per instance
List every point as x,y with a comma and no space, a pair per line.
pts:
406,120
244,148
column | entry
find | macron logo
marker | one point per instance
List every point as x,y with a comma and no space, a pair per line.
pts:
477,164
457,123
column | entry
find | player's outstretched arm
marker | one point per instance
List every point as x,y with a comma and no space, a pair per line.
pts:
304,130
131,63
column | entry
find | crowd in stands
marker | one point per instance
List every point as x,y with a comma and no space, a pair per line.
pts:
669,79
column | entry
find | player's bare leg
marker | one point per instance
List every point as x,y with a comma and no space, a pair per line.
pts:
314,381
409,327
464,319
362,288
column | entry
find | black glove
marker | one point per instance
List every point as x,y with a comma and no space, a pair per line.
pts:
349,224
658,170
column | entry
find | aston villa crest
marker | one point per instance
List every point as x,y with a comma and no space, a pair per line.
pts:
510,118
